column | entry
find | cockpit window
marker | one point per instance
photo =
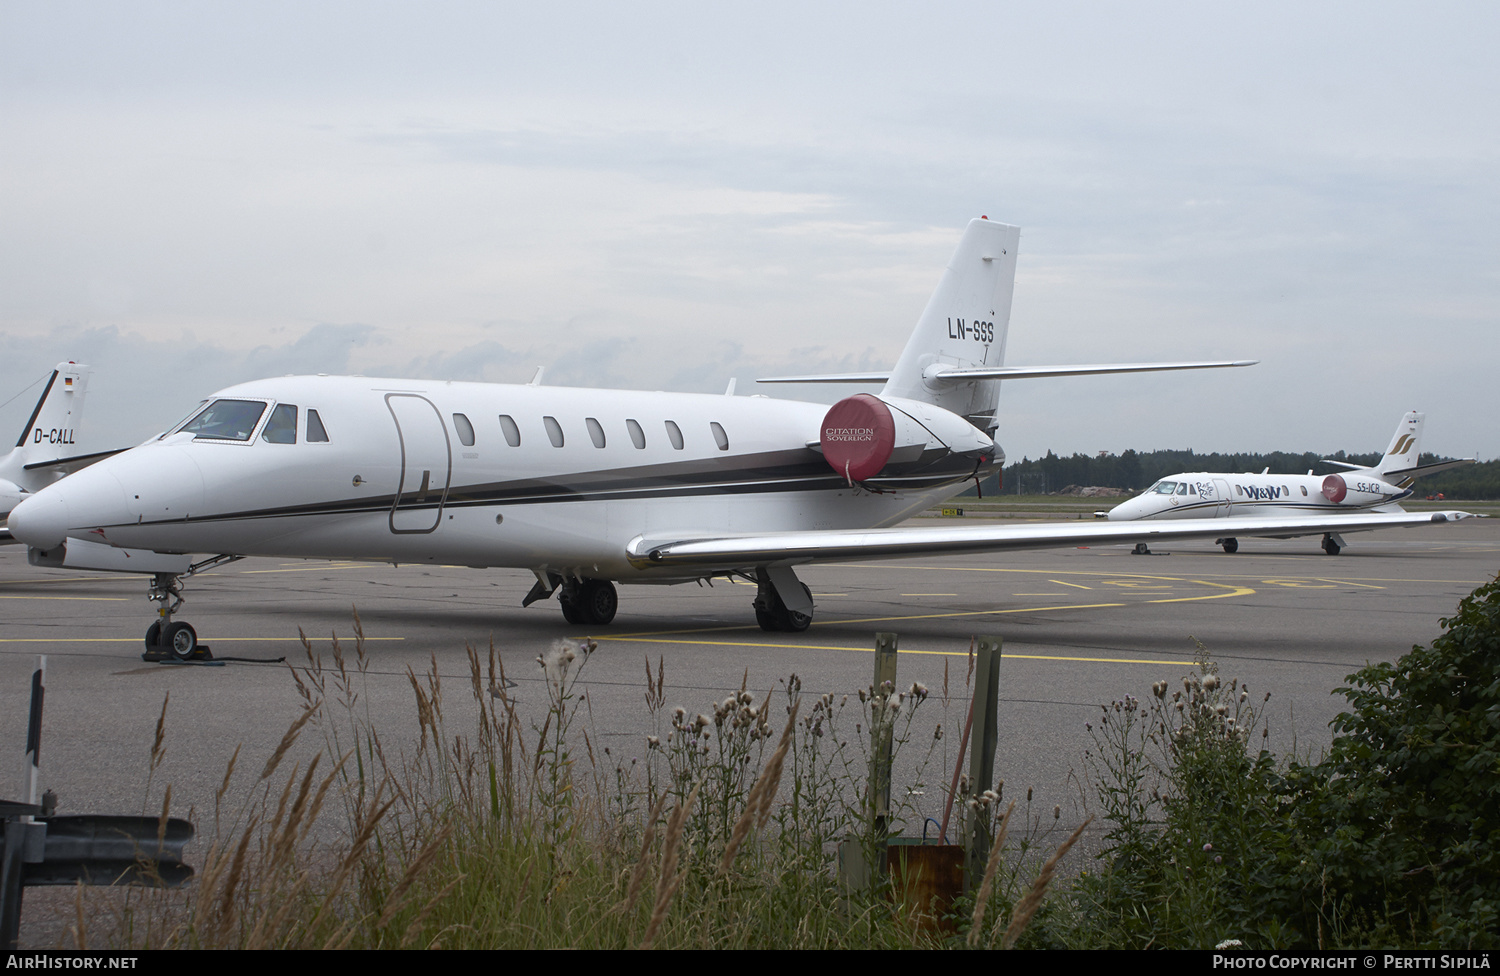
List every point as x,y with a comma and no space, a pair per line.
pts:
226,420
315,432
282,427
1166,487
1182,488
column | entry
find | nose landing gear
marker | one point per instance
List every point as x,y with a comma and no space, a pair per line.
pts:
169,639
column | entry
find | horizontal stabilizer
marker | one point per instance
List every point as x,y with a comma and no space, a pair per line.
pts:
1422,470
794,548
77,462
962,374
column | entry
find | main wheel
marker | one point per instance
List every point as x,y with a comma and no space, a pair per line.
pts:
153,637
1230,545
1141,549
767,620
1329,546
572,612
180,640
790,620
598,601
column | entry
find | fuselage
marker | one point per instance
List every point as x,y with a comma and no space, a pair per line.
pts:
1213,495
545,478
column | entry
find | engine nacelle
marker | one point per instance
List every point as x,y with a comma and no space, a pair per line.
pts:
892,442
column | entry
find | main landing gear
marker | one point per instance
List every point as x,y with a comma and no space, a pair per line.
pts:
176,639
771,611
589,601
583,600
1332,543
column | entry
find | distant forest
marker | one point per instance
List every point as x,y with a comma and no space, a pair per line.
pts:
1137,471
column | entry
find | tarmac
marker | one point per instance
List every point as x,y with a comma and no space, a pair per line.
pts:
1081,627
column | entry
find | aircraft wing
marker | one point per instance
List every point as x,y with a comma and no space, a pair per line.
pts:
846,545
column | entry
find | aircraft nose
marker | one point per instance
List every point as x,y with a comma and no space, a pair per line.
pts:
1126,511
41,520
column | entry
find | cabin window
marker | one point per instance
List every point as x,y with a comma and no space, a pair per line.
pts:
282,427
1304,491
596,432
674,434
226,420
720,438
1238,490
637,436
554,431
465,430
315,432
510,430
1182,488
1192,489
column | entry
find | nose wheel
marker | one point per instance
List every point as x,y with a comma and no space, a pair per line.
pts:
169,639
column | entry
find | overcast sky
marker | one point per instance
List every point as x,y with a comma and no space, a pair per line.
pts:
664,196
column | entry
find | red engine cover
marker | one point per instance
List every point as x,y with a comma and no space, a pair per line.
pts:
1334,488
858,436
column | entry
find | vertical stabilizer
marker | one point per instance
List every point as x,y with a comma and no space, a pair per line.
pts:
965,324
1405,445
51,433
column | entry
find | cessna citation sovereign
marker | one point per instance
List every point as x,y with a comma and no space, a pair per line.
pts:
1364,489
587,488
41,455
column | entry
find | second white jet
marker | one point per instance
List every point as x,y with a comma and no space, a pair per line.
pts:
1201,494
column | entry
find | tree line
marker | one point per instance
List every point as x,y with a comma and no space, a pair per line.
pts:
1136,471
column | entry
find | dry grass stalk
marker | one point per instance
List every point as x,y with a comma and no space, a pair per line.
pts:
638,875
667,884
415,870
1028,906
990,868
762,792
290,737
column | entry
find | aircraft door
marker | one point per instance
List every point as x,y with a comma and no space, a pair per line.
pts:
1225,498
426,463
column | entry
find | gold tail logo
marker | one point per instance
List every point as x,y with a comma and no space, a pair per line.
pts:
1404,444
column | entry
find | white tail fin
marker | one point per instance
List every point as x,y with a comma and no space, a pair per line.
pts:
964,325
1405,446
51,433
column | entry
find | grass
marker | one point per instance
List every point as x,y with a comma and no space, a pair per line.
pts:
501,831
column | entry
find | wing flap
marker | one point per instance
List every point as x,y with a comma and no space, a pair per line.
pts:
795,548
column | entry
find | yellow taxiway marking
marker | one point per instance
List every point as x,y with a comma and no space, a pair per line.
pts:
92,599
904,650
1117,575
1039,594
1066,583
1232,591
63,579
929,594
305,569
202,639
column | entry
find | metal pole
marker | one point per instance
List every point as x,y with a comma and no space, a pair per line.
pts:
883,728
982,752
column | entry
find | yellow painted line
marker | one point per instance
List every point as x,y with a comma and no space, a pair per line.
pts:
63,579
1233,591
306,569
1352,583
91,599
969,613
929,594
1117,575
1066,583
830,594
905,650
1039,594
202,639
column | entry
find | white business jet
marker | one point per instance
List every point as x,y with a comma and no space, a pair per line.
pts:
585,488
42,452
1198,495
